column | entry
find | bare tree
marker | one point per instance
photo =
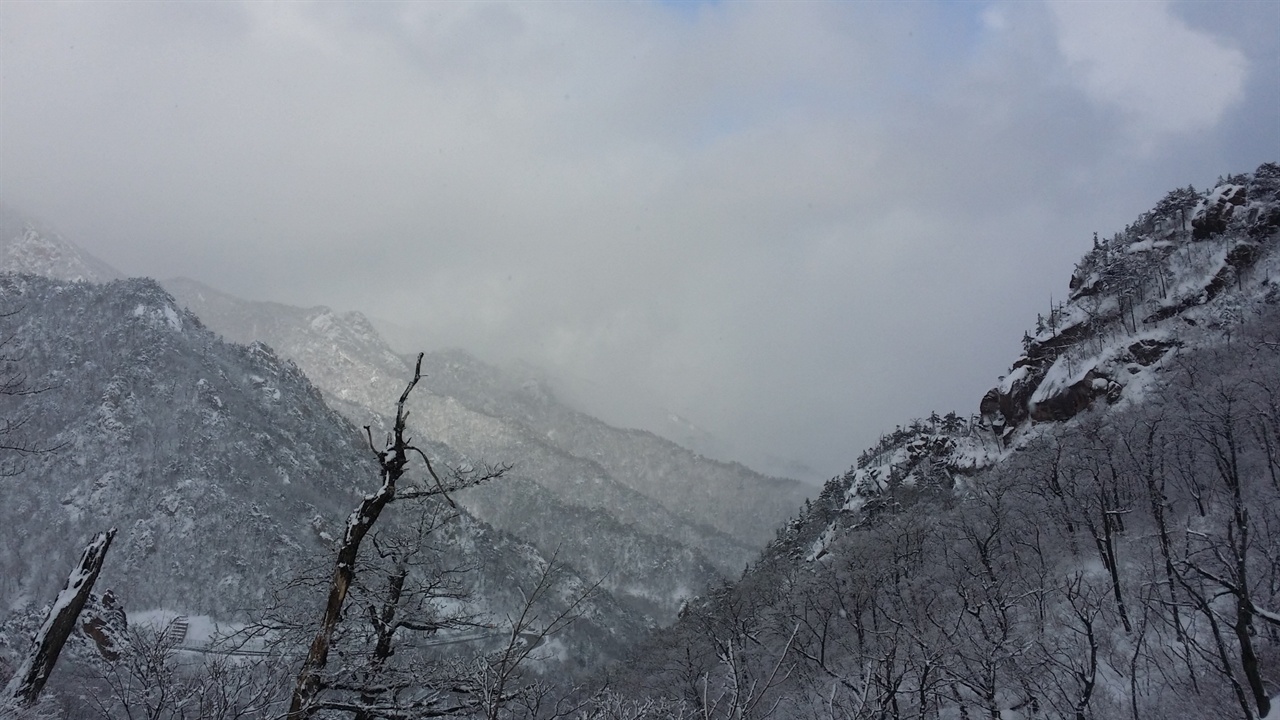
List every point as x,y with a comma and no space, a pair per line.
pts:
745,689
496,678
1225,557
152,678
393,461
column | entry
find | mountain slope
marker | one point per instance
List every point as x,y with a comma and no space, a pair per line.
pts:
653,554
1099,542
221,466
28,247
727,496
618,504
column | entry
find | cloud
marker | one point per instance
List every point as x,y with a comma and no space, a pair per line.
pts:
1139,57
794,224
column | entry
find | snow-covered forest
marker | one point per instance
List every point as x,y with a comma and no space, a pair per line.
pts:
645,360
300,529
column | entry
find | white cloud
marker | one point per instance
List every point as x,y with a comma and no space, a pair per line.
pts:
1166,77
794,224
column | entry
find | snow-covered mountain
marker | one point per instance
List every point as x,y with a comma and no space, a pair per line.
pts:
656,521
1097,541
30,247
1181,277
224,471
653,521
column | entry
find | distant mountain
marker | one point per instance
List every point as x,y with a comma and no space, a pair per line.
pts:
1097,541
220,464
655,520
730,497
30,247
660,421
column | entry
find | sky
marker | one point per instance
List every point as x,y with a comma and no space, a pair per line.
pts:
793,224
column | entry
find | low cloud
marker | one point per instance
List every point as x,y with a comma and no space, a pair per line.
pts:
794,224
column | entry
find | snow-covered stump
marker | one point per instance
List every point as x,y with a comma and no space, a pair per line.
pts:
25,686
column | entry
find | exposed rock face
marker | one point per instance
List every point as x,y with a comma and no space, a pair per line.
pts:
1158,269
1005,407
990,408
1146,352
1072,400
1217,211
104,621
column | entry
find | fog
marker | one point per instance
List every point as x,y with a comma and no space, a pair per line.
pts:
793,224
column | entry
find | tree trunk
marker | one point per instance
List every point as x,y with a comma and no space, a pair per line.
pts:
393,461
24,689
358,524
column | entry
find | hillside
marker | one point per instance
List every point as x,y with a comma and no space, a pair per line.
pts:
1098,541
227,477
652,521
28,246
656,521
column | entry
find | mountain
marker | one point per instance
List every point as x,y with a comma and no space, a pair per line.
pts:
227,477
656,521
30,247
1097,541
727,496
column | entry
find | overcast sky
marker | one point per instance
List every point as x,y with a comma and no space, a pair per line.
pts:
795,224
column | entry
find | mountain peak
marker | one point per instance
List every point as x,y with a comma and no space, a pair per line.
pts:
27,246
1184,268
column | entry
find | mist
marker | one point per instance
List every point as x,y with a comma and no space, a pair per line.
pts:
793,225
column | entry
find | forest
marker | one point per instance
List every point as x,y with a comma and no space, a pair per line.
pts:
1100,541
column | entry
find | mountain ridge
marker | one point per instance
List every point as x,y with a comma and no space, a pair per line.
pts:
479,411
654,550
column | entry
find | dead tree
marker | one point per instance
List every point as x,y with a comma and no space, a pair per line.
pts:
24,689
392,461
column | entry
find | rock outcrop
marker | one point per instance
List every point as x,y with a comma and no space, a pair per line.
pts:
1160,269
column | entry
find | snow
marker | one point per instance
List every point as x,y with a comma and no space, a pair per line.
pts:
819,546
972,453
1147,246
325,325
166,313
171,316
1007,383
1267,614
1074,313
1214,197
1065,372
1192,270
